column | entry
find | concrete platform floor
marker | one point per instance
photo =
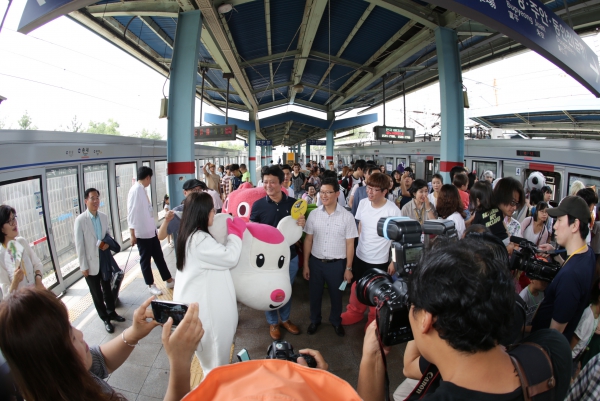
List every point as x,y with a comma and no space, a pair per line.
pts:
144,376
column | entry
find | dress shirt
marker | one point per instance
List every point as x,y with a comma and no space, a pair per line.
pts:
97,225
139,212
330,232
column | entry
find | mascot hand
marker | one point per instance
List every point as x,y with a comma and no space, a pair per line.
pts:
236,226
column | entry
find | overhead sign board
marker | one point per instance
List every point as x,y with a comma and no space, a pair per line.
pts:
534,25
215,133
263,142
38,12
316,142
394,133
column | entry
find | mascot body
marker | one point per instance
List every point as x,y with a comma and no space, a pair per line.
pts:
536,180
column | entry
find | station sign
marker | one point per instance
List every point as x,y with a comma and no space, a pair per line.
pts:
264,142
315,142
39,12
534,25
383,133
215,133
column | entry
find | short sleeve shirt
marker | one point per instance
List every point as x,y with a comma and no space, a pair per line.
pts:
265,211
99,370
567,296
371,247
330,232
493,220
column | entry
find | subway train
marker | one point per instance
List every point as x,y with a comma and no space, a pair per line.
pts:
561,161
43,175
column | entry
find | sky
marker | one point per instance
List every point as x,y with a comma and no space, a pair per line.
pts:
62,70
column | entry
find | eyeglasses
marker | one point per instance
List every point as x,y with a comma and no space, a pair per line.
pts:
371,189
326,193
12,222
94,198
514,203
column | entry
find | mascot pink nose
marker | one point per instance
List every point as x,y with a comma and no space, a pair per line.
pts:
278,295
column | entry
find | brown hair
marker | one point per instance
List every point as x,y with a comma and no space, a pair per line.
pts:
379,180
36,341
449,201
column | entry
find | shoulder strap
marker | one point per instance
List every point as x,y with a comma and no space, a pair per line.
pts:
534,367
428,383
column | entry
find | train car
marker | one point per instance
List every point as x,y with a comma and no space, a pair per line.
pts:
561,161
43,175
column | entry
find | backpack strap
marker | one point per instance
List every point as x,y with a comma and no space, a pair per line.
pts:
534,367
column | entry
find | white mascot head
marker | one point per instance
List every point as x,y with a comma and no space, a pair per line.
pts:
536,180
261,277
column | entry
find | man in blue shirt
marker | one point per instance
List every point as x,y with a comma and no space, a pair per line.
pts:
270,210
568,294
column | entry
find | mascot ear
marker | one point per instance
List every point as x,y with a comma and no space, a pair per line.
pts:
219,227
290,230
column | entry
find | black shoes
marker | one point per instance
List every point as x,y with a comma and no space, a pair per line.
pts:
339,330
115,317
108,326
312,328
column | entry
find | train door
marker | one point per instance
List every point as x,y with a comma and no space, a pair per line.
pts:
64,206
389,165
160,172
482,166
428,170
26,196
399,161
553,180
125,177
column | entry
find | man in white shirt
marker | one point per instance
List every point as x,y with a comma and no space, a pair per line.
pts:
373,251
330,232
142,228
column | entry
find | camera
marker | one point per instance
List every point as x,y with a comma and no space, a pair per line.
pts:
284,351
525,259
407,247
376,289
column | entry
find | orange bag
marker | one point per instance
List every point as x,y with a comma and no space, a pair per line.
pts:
270,380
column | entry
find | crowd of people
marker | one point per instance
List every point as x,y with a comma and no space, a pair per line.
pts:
461,296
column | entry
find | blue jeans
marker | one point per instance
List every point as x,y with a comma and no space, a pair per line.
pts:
284,312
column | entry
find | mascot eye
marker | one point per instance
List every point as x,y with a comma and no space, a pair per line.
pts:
281,261
260,260
243,210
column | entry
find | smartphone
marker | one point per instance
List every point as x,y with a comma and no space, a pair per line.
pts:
163,310
243,355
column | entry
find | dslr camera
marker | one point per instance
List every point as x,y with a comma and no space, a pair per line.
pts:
284,351
525,259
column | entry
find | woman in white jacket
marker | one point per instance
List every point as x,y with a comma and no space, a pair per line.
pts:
203,276
27,269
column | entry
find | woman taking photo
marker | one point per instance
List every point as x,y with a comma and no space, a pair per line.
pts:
419,208
436,184
203,276
26,269
49,359
449,206
534,227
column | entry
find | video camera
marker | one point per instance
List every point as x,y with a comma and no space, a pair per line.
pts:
525,259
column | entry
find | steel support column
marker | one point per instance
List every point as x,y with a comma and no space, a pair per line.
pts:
252,156
307,156
452,147
182,91
329,148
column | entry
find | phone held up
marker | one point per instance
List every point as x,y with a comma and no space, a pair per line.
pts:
163,310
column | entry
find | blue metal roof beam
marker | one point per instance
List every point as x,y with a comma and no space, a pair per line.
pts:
313,13
269,49
135,8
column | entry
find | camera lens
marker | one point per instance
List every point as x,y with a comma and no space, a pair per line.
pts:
372,286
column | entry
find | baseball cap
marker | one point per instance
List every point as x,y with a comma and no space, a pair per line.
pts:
573,206
190,184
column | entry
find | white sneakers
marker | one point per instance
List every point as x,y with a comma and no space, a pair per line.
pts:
154,290
171,284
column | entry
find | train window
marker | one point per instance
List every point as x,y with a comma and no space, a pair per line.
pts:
161,186
588,181
413,166
428,170
200,170
149,187
389,164
400,160
480,167
25,196
126,176
63,198
96,176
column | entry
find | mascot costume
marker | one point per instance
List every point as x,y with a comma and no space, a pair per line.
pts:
536,180
260,278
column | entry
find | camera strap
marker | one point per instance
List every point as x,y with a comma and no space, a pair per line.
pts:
534,368
428,383
387,377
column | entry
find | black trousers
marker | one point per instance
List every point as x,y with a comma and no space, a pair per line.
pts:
360,267
150,248
333,274
101,295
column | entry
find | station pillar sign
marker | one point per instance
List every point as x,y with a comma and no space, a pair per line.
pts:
383,133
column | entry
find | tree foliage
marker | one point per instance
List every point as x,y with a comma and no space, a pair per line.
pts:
74,126
144,133
25,122
107,128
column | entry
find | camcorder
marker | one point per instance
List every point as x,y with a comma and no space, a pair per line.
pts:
525,259
377,289
284,351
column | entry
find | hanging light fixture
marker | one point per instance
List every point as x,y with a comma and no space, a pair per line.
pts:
224,8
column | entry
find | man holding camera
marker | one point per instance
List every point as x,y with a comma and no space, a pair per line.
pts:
568,294
460,307
330,232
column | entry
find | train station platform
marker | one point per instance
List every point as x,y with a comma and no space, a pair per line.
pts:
145,374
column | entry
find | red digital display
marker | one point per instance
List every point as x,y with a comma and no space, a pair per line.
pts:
528,153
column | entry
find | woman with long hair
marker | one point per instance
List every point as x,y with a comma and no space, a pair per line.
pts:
419,208
480,200
397,184
49,359
436,184
203,276
449,207
19,265
534,227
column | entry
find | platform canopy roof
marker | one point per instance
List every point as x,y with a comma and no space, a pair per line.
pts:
553,123
330,56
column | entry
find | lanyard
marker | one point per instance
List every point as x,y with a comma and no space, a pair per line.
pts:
575,253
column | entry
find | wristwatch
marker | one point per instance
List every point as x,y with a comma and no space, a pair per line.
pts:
349,268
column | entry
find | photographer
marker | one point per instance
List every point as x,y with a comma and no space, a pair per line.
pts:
462,300
569,293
